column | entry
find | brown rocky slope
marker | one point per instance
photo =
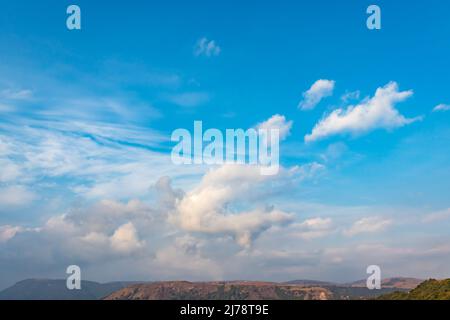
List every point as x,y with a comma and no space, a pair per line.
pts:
183,290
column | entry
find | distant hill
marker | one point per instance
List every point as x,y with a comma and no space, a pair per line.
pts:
397,282
428,290
43,289
311,283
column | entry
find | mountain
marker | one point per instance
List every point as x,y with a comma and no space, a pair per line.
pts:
183,290
35,289
397,282
43,289
428,290
245,290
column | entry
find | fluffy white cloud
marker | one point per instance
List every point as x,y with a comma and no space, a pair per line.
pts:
319,90
368,225
441,107
104,232
167,253
374,113
278,122
205,208
205,47
125,238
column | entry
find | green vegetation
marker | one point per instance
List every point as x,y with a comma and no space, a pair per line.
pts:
428,290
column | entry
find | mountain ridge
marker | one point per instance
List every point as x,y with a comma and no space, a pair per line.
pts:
55,289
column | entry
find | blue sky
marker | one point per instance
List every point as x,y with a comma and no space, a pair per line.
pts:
86,119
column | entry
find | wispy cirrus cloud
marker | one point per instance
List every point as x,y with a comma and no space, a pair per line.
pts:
368,225
437,216
441,107
12,94
100,160
6,108
188,99
207,48
352,95
313,228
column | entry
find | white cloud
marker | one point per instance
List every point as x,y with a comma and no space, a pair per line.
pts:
8,232
313,228
162,252
317,223
11,94
368,225
16,196
125,238
277,122
205,208
9,170
441,107
205,47
437,216
184,255
308,170
105,231
92,156
371,114
319,90
334,151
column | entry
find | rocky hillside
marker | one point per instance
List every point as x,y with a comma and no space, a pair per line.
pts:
428,290
219,290
295,290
